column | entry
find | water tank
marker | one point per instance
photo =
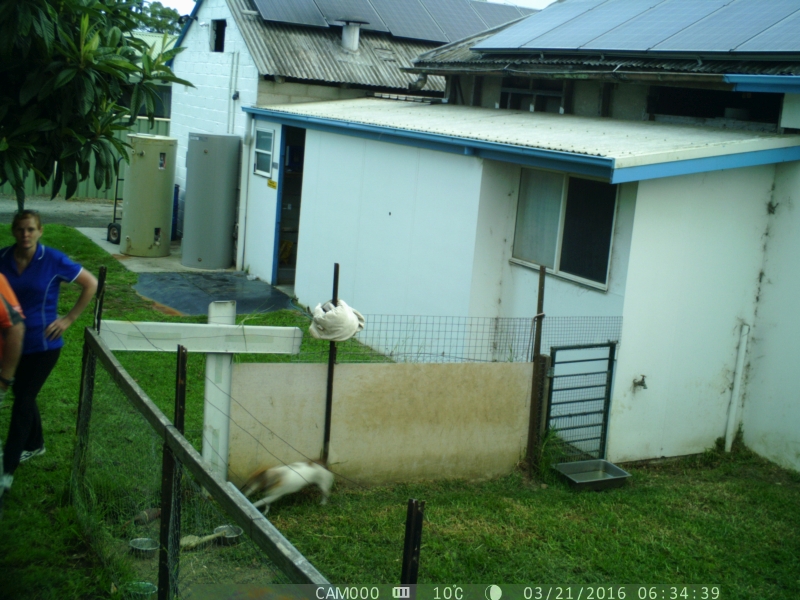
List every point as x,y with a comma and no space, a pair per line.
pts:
147,201
209,211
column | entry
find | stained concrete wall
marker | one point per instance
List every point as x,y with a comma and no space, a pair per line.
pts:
695,257
391,422
771,416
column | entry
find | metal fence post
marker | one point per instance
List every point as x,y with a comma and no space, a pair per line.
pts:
88,370
612,352
170,533
331,365
413,541
536,385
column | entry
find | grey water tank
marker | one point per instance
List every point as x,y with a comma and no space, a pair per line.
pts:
209,212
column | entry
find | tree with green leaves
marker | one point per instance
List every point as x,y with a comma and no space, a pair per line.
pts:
66,67
157,18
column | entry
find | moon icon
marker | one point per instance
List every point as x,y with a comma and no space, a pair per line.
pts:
493,592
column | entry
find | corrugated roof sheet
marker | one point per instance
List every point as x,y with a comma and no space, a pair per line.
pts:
316,54
628,143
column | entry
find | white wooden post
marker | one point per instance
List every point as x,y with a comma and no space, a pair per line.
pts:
217,406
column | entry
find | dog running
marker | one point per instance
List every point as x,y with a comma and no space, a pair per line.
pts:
287,479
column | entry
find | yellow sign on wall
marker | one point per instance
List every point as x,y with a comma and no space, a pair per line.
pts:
272,183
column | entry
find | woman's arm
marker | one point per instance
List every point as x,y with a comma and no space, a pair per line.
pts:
89,284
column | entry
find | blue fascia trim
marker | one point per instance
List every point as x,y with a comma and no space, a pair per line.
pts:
579,164
704,165
776,84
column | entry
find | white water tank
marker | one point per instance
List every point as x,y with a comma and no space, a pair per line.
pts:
147,200
209,211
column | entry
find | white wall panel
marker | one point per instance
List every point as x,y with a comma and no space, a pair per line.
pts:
399,220
694,263
771,416
261,212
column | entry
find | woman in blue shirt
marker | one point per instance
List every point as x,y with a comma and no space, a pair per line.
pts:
35,273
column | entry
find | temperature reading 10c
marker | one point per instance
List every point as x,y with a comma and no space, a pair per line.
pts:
450,592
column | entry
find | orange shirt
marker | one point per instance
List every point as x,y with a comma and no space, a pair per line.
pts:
10,310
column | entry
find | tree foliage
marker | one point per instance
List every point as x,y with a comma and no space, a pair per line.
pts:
65,67
157,18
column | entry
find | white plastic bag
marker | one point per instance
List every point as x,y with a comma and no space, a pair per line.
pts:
335,323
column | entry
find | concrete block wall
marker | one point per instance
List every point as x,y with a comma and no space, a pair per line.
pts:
208,107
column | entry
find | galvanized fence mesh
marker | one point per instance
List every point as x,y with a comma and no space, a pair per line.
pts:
124,494
439,339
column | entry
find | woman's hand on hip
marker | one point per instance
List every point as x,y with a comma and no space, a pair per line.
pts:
56,329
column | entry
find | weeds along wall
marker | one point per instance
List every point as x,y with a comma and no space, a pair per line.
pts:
126,450
413,398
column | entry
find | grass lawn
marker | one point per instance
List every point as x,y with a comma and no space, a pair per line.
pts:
731,520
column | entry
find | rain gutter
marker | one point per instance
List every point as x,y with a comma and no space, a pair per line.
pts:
776,84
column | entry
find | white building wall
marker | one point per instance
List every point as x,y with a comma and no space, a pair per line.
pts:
771,416
399,220
208,107
504,289
695,256
258,215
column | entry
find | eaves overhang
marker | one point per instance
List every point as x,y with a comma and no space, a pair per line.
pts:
776,84
697,157
580,164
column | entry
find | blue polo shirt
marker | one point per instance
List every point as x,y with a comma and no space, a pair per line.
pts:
37,290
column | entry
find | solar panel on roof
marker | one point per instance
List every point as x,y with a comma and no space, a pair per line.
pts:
591,24
551,17
781,37
407,18
654,26
336,10
729,27
495,14
454,17
300,12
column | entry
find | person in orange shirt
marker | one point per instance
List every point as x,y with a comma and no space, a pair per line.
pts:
12,334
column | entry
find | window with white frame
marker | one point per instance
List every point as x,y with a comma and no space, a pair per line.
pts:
565,224
262,159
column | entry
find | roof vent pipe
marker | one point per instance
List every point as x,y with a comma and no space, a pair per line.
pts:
351,32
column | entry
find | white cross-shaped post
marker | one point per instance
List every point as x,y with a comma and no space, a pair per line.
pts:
220,339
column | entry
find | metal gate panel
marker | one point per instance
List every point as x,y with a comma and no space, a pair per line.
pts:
579,399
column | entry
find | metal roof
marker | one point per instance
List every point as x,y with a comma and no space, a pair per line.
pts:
617,150
316,54
728,27
463,57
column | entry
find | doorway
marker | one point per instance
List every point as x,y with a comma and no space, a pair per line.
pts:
294,142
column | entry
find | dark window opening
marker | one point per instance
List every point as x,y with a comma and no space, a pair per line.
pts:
536,95
715,104
218,33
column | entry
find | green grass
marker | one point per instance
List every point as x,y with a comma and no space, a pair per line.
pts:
715,518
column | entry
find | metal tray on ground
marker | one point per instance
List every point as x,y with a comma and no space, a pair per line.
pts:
593,475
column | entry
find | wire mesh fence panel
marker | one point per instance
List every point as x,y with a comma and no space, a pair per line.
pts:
436,339
151,508
426,339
